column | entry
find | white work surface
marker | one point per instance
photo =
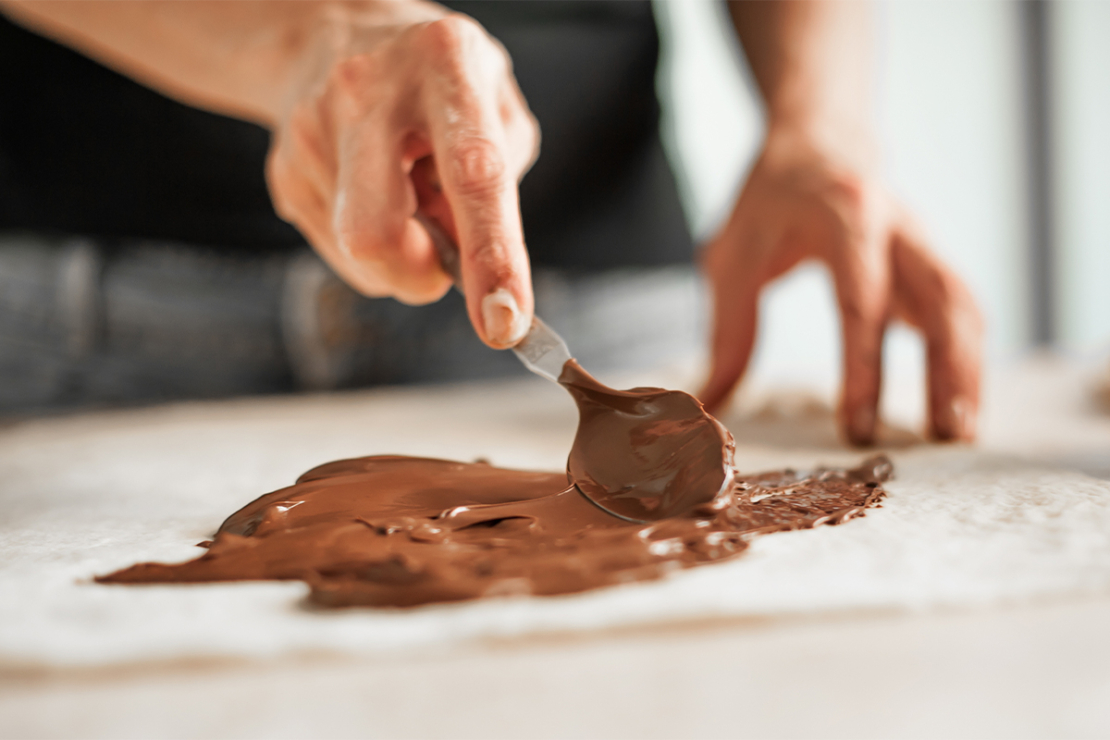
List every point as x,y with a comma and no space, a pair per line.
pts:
976,602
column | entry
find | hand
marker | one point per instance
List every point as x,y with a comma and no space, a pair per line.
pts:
804,201
398,107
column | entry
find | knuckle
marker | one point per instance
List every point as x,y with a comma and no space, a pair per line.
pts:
848,189
496,263
854,205
366,241
862,308
524,135
346,88
355,84
457,46
352,74
446,39
959,308
478,166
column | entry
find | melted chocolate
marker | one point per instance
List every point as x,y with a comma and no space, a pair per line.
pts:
403,531
645,454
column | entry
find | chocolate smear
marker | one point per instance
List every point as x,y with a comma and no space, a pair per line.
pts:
656,491
403,531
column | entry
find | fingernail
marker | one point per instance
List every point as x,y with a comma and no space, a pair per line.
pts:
862,427
960,421
505,322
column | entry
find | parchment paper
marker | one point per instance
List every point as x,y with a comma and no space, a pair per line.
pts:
84,495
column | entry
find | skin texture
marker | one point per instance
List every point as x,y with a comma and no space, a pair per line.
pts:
381,109
377,109
815,194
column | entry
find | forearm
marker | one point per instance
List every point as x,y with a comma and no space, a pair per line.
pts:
236,58
811,60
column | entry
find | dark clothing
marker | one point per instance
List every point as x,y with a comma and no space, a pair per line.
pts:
601,193
86,151
156,268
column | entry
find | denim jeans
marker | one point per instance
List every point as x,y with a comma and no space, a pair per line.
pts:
90,323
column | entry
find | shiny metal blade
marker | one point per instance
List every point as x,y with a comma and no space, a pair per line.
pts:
543,351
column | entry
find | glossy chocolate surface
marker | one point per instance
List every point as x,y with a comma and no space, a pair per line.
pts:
645,454
404,531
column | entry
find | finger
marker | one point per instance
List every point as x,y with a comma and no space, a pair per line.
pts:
735,320
931,297
472,160
861,273
297,201
305,146
522,134
375,232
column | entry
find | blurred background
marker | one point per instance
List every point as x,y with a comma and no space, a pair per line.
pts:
994,117
995,125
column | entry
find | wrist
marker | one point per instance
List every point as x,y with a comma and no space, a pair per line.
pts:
845,142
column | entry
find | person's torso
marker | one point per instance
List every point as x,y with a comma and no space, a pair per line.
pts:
84,150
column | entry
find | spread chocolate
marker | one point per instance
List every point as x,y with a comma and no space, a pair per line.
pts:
390,530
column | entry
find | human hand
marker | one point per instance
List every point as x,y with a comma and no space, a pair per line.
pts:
806,200
397,107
